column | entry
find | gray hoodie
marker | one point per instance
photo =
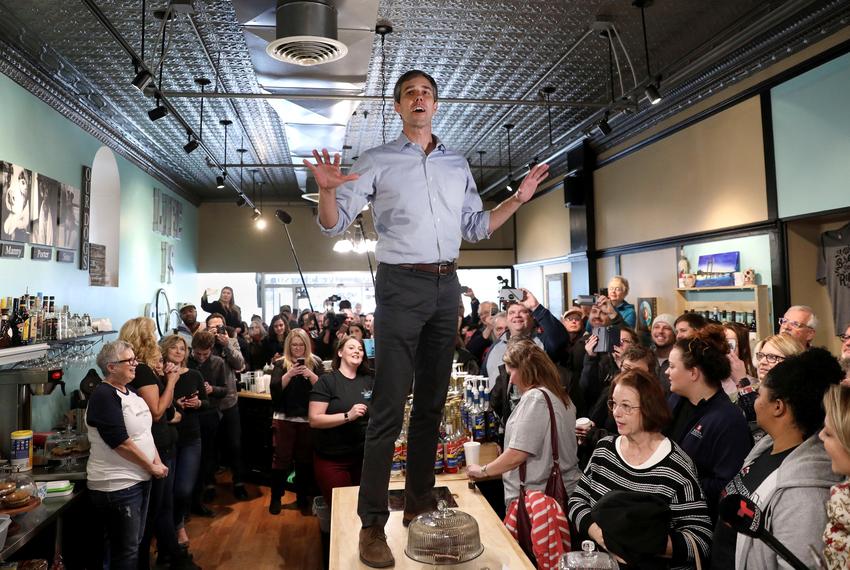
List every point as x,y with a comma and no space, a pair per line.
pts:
794,510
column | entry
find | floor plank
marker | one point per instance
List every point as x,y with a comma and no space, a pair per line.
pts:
244,535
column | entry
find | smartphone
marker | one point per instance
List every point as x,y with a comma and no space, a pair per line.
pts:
604,291
609,337
299,361
464,289
369,344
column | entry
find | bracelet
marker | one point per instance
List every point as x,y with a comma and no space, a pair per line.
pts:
345,415
484,469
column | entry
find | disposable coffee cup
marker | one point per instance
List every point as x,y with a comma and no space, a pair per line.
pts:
472,452
583,423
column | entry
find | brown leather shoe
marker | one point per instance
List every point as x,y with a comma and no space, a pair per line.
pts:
374,550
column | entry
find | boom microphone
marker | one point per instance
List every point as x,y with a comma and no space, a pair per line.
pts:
282,216
744,516
285,219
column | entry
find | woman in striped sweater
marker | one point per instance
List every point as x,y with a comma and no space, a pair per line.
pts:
641,460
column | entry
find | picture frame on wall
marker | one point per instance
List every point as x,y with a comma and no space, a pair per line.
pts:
647,310
557,286
16,202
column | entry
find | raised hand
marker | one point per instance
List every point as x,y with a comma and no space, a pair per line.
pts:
327,172
526,190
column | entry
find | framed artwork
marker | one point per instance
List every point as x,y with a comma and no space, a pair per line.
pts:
717,269
556,293
17,186
647,310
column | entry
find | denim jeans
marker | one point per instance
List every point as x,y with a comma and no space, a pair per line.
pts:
160,519
123,516
187,465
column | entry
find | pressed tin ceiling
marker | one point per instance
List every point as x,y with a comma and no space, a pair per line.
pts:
476,49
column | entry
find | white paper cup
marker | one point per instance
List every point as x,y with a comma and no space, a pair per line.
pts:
583,423
472,452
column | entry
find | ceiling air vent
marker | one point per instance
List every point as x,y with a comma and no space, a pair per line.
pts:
306,33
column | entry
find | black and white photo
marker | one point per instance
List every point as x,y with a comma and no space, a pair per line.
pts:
15,209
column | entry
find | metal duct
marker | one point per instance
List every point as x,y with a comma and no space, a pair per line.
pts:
306,33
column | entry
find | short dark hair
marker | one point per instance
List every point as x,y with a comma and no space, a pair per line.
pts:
801,381
344,304
654,413
708,351
203,340
408,75
694,320
638,353
215,316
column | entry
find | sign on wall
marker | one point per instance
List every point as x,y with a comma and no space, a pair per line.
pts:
85,212
167,215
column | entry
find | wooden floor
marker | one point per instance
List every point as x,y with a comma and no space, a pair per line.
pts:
244,535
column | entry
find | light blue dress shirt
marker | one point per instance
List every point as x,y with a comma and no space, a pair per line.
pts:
422,204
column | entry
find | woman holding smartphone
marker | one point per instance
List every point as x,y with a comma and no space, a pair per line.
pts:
190,396
293,378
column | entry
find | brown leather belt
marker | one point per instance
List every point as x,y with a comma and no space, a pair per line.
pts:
444,268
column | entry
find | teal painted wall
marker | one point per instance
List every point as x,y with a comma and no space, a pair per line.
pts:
811,130
36,137
755,254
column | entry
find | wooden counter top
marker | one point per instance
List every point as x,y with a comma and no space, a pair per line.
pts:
254,395
500,549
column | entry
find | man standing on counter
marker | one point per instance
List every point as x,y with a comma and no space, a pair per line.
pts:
424,202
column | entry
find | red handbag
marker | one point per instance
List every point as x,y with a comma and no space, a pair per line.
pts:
554,489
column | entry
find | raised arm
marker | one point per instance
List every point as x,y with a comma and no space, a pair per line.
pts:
501,213
328,177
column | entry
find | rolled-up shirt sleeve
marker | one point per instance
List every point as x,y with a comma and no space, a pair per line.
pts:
475,221
353,196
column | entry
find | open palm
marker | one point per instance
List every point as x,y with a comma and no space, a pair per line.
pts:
326,170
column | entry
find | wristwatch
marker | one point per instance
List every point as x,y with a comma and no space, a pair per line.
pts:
345,415
484,469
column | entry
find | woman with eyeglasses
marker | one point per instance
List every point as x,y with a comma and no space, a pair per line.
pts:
641,462
155,382
618,288
788,473
706,424
774,349
123,455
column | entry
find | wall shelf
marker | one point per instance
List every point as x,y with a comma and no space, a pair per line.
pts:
755,298
14,355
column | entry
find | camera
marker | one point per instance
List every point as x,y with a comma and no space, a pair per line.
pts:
221,329
336,320
604,291
507,295
609,337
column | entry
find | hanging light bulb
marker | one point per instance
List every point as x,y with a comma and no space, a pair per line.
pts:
343,246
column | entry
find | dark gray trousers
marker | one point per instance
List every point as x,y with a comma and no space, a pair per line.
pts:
416,323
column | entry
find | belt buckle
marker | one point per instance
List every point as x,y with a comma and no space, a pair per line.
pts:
443,268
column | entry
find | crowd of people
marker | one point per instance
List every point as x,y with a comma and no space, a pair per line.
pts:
655,433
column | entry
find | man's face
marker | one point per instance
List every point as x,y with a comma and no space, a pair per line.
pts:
519,319
663,334
794,323
367,321
500,325
214,323
572,322
189,316
349,316
598,317
484,312
201,355
417,104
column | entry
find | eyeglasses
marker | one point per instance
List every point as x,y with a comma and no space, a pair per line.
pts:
625,408
132,360
794,324
617,289
771,358
572,318
843,337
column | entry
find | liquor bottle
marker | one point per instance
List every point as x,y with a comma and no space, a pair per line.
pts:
450,456
479,423
490,423
467,405
440,457
753,327
734,317
724,316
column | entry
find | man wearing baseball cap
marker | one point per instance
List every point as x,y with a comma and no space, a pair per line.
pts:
189,324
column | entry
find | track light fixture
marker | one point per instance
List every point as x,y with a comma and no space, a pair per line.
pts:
224,123
142,79
219,181
604,127
157,112
190,146
257,218
240,201
651,91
